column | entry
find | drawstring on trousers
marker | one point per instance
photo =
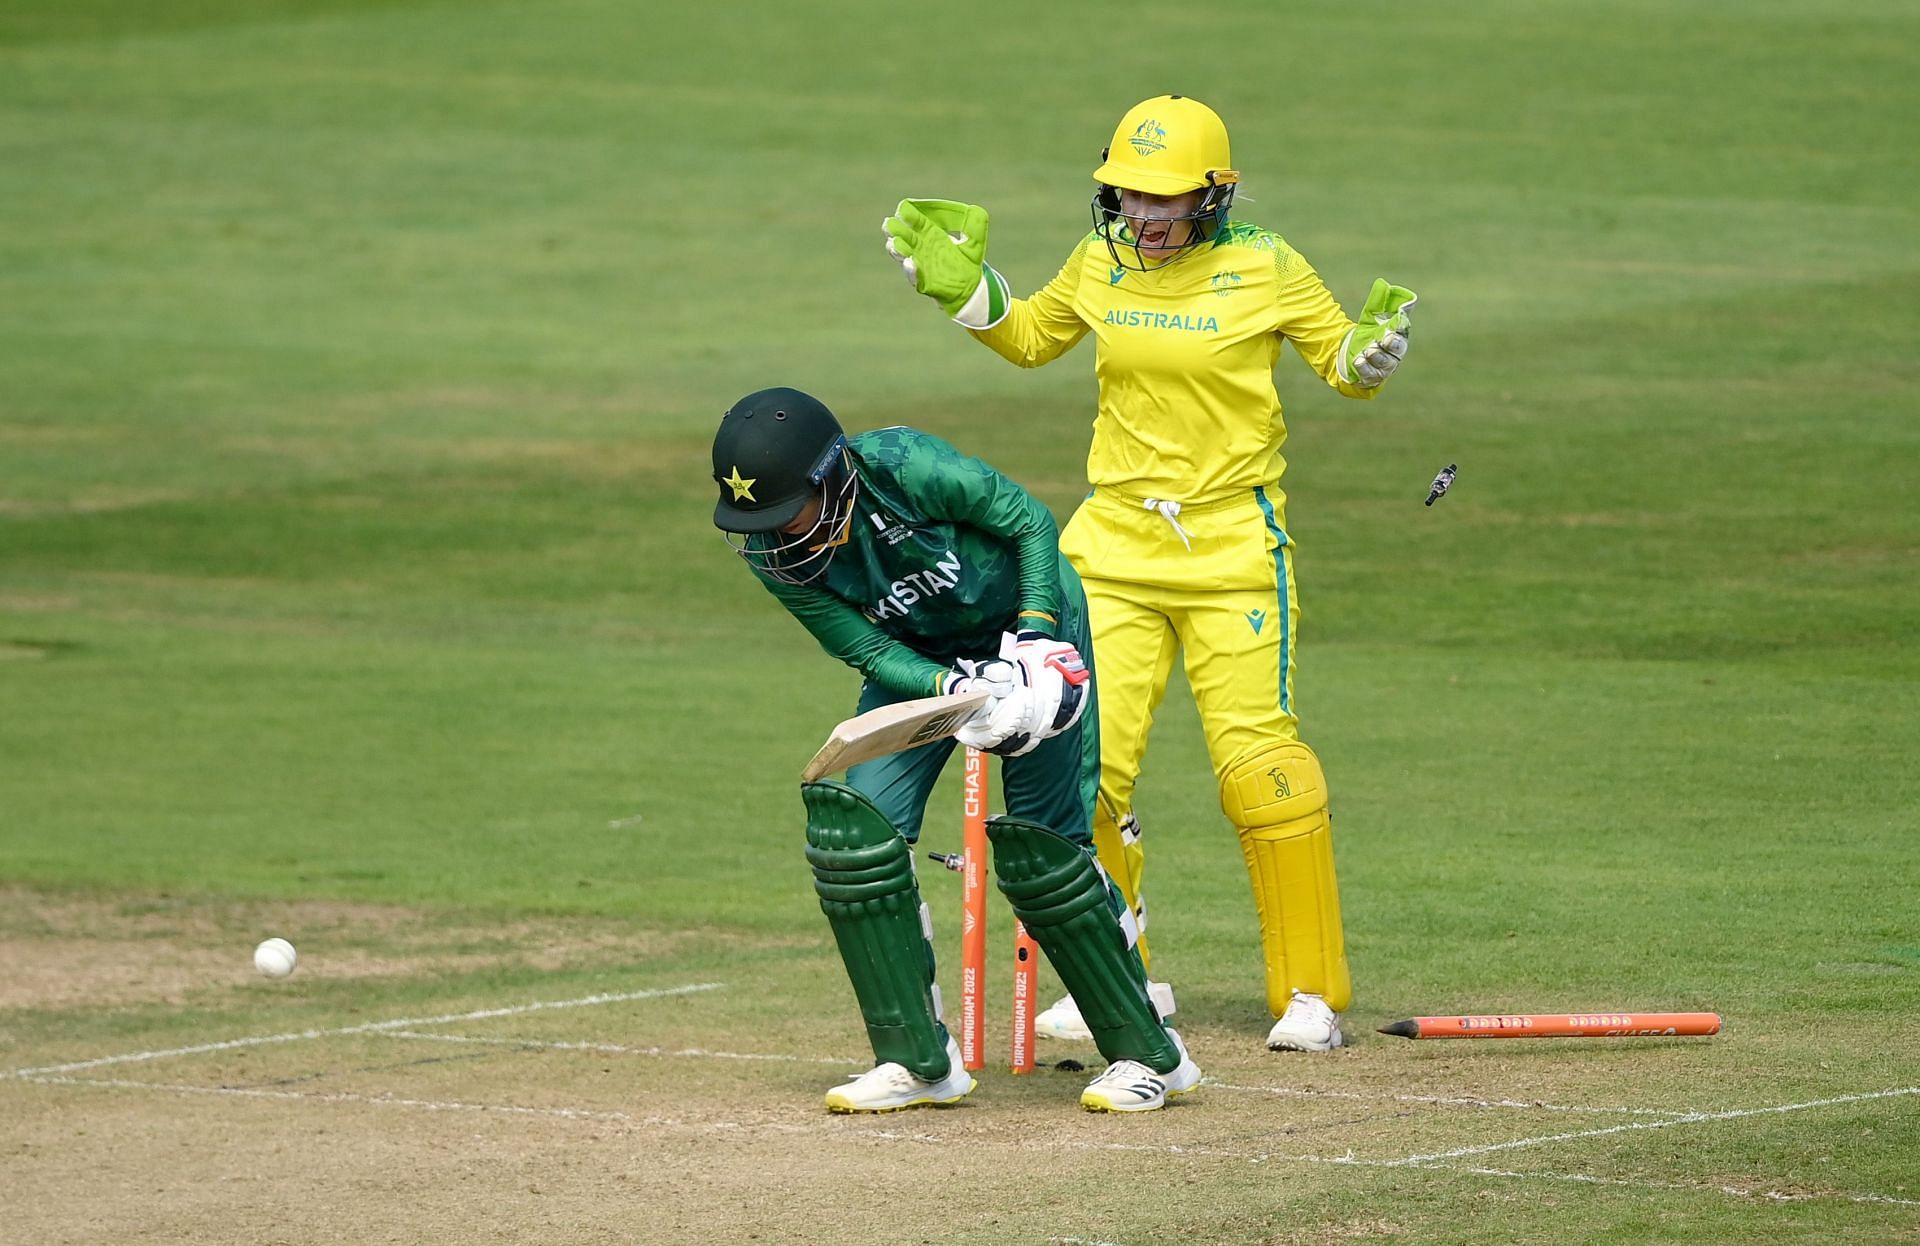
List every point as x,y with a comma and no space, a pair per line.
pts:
1169,511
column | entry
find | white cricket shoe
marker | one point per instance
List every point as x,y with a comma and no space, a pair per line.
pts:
890,1087
1307,1025
1063,1020
1130,1086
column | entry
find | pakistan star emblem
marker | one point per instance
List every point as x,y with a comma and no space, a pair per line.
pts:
741,488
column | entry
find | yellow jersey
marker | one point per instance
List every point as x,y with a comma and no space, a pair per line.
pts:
1188,410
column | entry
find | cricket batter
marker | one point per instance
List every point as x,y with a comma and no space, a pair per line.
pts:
929,572
1183,544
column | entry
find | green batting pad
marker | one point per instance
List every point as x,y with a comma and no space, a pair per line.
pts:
1072,914
863,872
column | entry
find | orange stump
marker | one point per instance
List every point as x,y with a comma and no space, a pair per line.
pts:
1026,973
973,920
1559,1025
972,864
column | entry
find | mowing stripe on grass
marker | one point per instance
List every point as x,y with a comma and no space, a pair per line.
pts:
371,1027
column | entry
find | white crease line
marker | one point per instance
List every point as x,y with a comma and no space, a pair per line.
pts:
703,1053
371,1027
1772,1196
1141,1148
618,1049
1444,1100
250,1092
430,1105
1692,1118
1348,1160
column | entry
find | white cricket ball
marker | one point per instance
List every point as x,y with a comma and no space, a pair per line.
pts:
275,958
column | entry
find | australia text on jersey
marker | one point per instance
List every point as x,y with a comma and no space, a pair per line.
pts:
905,592
1162,320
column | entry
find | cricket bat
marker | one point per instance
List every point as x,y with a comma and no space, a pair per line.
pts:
892,729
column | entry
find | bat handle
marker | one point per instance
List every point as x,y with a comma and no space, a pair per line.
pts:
952,860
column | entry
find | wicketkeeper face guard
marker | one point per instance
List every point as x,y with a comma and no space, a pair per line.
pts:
1167,146
1122,231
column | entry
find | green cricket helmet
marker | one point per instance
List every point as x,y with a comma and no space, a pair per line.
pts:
777,451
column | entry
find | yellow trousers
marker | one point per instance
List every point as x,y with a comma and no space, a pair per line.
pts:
1211,583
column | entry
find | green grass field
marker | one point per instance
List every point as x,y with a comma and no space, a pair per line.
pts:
358,361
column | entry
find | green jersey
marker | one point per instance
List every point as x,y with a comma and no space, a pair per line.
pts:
940,555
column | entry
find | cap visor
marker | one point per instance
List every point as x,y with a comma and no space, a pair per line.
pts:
1150,183
729,518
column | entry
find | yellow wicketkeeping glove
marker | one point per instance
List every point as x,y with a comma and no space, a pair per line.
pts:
942,247
1375,346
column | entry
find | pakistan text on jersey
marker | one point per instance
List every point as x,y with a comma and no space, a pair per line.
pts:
904,593
1163,320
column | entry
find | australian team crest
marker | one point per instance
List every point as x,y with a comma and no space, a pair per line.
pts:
1148,137
1225,283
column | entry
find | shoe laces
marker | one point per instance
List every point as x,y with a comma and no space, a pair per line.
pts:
1309,1008
1122,1071
888,1076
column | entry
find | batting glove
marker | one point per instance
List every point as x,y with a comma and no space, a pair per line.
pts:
1012,726
942,247
1008,724
1375,346
1059,678
994,677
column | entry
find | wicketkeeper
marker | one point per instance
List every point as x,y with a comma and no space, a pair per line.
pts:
1183,544
929,572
